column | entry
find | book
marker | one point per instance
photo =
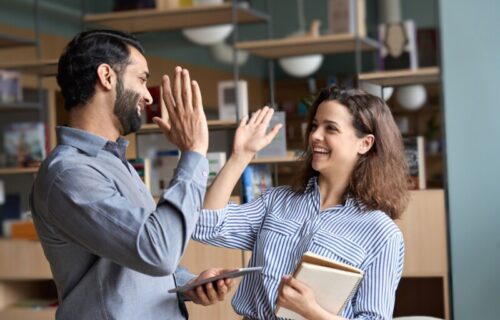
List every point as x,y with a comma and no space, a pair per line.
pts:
162,170
415,156
143,168
24,143
10,86
231,274
345,15
216,161
333,283
256,179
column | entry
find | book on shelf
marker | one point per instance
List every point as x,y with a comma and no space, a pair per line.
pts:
256,179
10,87
24,143
277,147
216,161
162,170
10,210
398,47
232,96
344,16
333,283
143,168
155,108
414,148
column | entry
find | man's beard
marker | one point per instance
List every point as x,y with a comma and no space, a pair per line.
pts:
126,108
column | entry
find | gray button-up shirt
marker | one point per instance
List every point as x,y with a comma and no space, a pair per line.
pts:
113,251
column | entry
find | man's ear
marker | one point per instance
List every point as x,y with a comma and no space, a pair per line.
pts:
106,76
366,143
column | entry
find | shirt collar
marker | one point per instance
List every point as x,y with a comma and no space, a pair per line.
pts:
84,140
351,201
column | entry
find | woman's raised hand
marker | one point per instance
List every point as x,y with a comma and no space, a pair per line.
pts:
251,135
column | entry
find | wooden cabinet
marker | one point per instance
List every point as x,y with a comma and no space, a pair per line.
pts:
24,274
424,287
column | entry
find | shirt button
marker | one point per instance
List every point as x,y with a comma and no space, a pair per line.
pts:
204,173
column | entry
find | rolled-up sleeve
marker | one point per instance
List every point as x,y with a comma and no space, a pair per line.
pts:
234,226
88,209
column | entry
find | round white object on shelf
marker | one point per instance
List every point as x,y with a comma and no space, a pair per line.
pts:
301,66
411,97
206,36
376,89
387,92
224,53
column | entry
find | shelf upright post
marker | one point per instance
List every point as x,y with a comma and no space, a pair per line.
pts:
270,62
357,53
38,47
236,69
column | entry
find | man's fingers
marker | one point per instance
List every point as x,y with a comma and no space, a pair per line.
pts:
187,97
211,293
202,296
243,121
197,99
164,126
168,97
178,89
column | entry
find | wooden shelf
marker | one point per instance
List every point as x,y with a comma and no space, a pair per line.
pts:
173,19
15,313
18,170
402,77
19,106
44,68
9,41
289,158
212,125
333,43
23,260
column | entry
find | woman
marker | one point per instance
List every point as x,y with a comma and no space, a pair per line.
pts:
353,185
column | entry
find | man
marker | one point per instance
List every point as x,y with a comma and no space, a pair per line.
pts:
113,251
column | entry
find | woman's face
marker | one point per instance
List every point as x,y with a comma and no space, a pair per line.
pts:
333,142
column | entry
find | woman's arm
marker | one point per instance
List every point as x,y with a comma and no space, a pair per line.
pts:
250,137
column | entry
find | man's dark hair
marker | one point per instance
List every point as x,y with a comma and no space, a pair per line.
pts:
77,69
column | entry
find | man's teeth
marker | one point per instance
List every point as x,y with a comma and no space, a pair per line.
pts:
139,110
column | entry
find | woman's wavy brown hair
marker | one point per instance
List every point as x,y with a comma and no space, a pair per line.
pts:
379,179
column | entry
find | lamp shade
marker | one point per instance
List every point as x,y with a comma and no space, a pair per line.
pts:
206,36
224,53
411,97
301,66
377,90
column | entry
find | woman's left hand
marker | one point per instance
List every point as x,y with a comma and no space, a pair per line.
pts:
298,297
251,135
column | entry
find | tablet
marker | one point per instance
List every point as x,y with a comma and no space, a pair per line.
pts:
231,274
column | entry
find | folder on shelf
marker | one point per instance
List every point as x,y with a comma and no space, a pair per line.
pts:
334,283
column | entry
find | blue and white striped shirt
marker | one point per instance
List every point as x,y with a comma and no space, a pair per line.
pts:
281,225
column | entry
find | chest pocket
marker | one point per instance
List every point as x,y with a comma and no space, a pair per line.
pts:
283,227
337,248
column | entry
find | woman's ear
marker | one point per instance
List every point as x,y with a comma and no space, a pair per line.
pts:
366,144
105,76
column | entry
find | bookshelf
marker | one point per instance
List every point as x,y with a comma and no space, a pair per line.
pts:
284,47
148,20
402,77
8,41
18,170
212,125
41,67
